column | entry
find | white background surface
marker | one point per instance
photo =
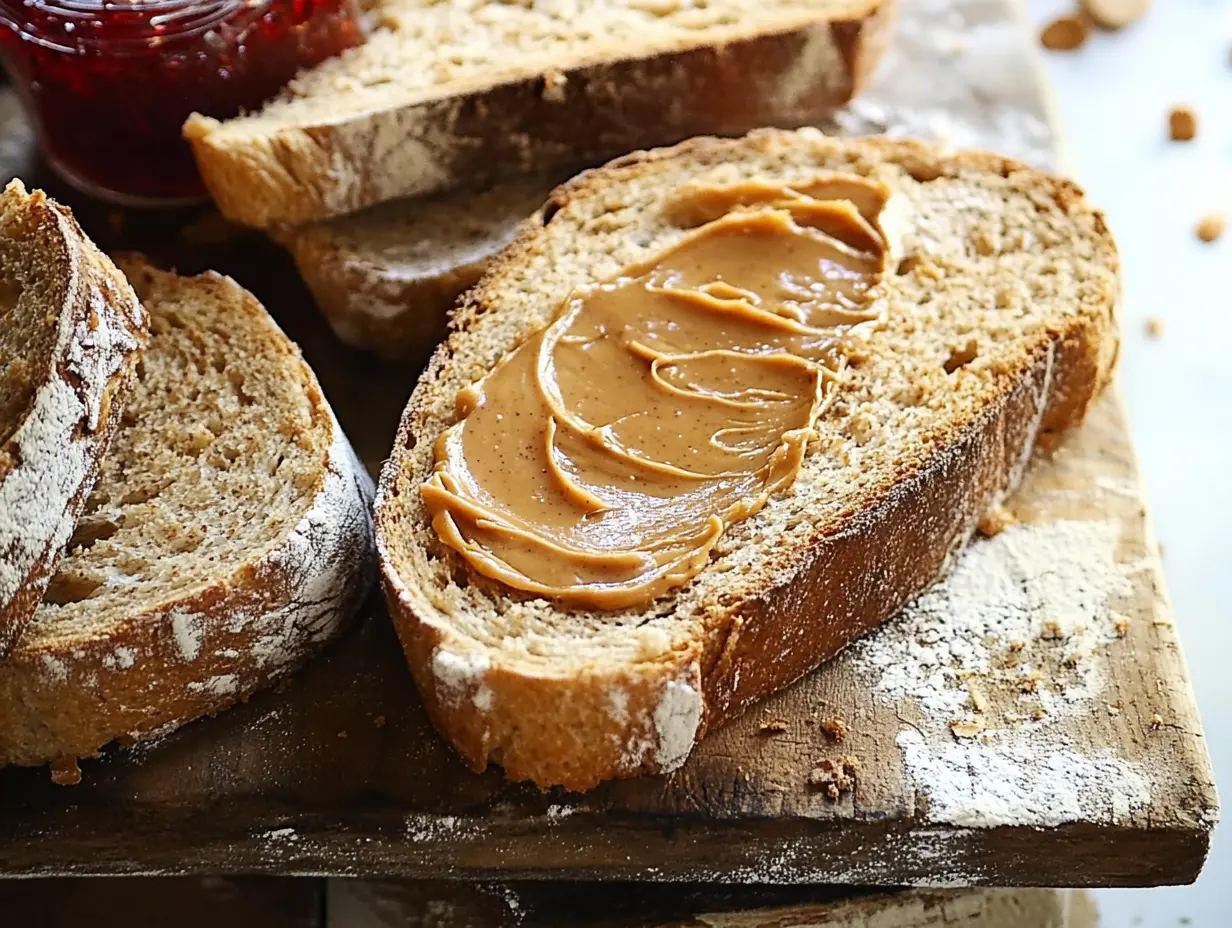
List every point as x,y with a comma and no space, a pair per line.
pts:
1114,95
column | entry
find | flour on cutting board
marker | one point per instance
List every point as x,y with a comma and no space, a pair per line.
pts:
1012,634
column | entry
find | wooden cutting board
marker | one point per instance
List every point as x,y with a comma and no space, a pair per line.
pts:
1029,722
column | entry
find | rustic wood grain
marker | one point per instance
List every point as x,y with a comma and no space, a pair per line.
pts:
341,774
167,902
369,904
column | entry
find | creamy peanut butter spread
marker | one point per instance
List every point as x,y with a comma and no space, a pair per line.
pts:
600,461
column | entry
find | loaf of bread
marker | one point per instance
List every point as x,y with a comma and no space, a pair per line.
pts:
386,277
996,331
70,330
228,537
451,93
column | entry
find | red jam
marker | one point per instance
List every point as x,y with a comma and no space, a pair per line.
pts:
109,83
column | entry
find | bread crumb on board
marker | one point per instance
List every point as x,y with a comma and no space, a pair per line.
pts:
1154,327
835,729
1157,722
966,728
774,727
65,772
1114,14
995,521
1211,227
1182,124
1065,34
834,777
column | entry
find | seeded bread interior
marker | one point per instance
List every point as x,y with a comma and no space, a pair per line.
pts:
227,537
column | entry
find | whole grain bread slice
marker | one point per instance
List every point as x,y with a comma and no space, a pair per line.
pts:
451,92
998,330
228,537
386,277
70,331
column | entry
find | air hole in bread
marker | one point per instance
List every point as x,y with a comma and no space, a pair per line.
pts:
961,356
66,588
93,529
550,209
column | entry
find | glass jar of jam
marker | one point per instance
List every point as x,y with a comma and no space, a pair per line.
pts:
109,83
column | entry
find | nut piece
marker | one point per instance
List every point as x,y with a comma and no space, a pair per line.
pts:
1211,227
1182,124
995,521
1064,34
1114,14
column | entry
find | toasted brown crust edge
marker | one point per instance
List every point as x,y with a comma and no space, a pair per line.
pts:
63,703
600,110
93,269
553,732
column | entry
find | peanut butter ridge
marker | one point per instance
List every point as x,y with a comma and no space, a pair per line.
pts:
600,462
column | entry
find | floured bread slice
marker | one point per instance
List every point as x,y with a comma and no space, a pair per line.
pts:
444,93
228,537
70,330
386,277
994,329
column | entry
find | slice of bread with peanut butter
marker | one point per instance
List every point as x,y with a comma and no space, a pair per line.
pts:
448,93
718,410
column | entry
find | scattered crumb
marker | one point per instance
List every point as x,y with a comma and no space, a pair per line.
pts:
1154,327
834,777
342,734
1122,627
1029,683
1038,714
774,727
379,721
1114,14
979,701
1157,722
65,772
1182,124
1211,227
1064,34
1052,631
835,729
1114,708
966,728
1017,646
995,521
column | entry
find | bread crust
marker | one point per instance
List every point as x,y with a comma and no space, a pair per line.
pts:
197,655
394,315
560,118
857,571
49,464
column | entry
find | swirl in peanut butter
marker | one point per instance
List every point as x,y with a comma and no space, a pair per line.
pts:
601,461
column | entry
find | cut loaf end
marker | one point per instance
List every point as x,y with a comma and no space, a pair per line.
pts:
386,278
444,94
227,539
70,332
998,331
